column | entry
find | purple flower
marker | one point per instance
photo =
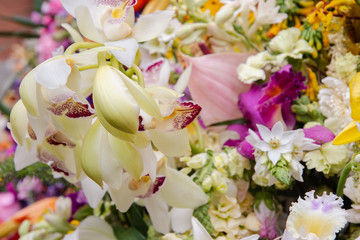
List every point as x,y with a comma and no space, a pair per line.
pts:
267,220
320,134
271,102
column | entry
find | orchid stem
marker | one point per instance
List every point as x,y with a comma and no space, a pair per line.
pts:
101,58
87,67
114,62
200,136
344,174
129,72
79,45
140,76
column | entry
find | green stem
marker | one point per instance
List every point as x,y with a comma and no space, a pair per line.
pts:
87,67
114,62
129,72
200,144
101,58
344,174
4,109
140,76
76,46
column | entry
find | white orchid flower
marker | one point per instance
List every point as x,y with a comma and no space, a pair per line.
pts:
112,23
92,228
170,187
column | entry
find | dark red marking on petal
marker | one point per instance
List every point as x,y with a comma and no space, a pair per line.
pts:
58,138
185,112
71,109
141,125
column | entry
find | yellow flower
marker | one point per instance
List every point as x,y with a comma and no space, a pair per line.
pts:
213,6
312,86
351,132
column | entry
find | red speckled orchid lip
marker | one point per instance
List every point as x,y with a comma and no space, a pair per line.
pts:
154,187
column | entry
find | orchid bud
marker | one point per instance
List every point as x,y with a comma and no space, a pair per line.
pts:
224,14
117,109
187,29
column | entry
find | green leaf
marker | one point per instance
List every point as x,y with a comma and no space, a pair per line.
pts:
21,20
37,5
18,34
235,121
136,219
122,233
201,213
83,212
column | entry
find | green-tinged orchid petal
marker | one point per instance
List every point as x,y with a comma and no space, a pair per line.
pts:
93,192
54,73
19,122
159,213
349,134
90,159
75,35
172,144
151,25
127,156
97,151
75,128
142,140
144,99
354,88
25,156
114,102
28,93
181,191
115,132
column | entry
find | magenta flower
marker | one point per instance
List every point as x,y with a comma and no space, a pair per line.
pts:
272,102
320,134
8,205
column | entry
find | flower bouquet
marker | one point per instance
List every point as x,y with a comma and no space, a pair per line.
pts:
231,119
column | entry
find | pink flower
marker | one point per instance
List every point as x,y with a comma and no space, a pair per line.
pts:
320,134
8,205
267,219
215,87
29,186
271,103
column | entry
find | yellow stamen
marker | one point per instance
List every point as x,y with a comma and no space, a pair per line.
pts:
121,10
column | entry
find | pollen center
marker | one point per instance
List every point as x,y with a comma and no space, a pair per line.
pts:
274,142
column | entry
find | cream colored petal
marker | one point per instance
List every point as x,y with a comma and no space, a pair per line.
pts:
53,73
172,144
151,25
28,93
126,57
180,191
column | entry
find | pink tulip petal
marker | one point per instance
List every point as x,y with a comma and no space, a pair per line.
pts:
320,134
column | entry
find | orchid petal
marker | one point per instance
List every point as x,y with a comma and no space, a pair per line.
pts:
86,24
92,191
151,25
287,137
53,73
149,160
183,114
93,228
165,97
123,198
349,134
19,122
75,35
28,93
181,219
127,156
180,191
172,144
114,31
126,57
23,157
199,231
110,91
71,5
204,85
90,159
183,80
158,212
144,99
